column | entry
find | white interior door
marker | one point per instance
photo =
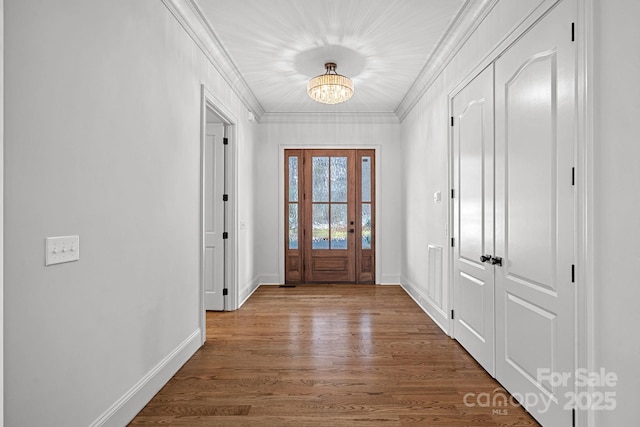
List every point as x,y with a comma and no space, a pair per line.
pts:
214,217
473,219
535,119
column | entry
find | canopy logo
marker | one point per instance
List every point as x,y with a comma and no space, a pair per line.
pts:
597,398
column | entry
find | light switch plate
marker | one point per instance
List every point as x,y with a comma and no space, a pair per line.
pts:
61,249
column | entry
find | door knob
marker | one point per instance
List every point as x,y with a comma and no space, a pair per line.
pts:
485,258
496,260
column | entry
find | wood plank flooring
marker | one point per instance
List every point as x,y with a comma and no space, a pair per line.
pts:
330,355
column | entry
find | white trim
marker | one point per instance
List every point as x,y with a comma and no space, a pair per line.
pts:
209,101
517,31
585,215
247,291
389,280
469,17
331,118
281,166
425,304
191,18
270,279
128,406
2,213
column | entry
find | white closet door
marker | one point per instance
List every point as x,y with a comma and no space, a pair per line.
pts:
535,120
473,219
214,218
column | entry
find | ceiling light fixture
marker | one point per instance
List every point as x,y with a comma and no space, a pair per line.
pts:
330,87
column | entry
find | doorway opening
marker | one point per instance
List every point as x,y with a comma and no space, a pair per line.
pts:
329,216
215,234
218,227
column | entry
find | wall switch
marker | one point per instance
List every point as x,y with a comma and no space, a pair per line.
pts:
61,249
437,197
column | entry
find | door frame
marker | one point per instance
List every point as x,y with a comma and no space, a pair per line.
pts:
281,197
210,102
584,161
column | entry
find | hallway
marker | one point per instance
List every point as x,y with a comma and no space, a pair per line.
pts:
330,355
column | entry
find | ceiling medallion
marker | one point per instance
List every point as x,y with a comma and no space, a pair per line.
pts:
330,87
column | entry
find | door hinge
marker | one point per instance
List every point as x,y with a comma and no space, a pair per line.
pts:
453,193
225,235
573,273
225,141
452,317
573,176
573,31
225,291
573,417
451,120
453,242
225,197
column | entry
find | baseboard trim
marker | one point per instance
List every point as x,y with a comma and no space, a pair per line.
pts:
128,406
425,305
249,290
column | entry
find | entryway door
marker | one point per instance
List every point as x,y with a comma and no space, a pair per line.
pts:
329,216
514,217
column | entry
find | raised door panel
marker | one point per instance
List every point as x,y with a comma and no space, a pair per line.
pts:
473,219
535,119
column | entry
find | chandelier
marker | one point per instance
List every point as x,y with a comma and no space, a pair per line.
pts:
330,87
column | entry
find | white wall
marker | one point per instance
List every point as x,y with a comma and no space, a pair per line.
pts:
425,133
102,137
616,178
613,196
273,137
2,213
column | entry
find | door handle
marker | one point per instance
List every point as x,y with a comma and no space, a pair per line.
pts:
351,230
485,258
496,260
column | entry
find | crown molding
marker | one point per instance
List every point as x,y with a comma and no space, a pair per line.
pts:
190,16
468,18
192,19
331,118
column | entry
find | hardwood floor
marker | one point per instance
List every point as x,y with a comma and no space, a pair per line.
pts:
330,355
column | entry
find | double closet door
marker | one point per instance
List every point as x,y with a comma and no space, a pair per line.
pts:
514,225
329,216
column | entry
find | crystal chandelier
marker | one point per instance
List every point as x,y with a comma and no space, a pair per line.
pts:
330,87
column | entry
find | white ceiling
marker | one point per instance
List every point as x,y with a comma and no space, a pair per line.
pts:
278,45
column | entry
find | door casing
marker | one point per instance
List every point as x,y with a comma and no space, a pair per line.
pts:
210,102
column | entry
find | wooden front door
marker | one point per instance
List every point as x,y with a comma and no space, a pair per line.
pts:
330,205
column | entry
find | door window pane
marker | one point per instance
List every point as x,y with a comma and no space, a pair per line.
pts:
366,179
320,179
338,179
366,226
320,226
293,226
293,179
338,226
